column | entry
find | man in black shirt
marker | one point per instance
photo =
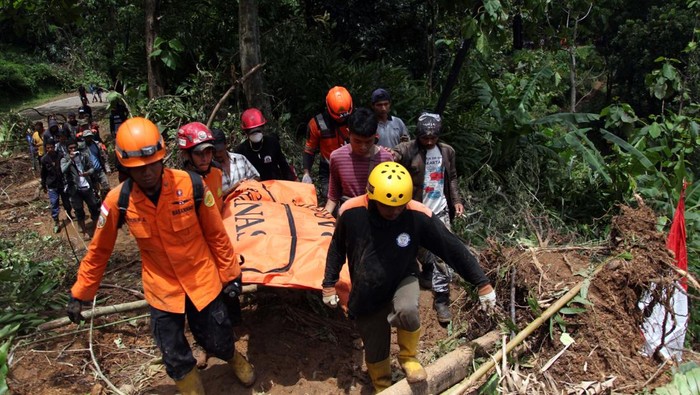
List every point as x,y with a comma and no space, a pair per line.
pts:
52,182
263,151
379,233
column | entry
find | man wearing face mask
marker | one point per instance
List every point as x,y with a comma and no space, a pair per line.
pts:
263,151
196,144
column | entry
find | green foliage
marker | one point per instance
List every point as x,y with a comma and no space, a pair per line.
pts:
686,380
27,287
22,75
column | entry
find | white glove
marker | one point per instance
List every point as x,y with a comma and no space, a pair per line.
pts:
488,302
307,179
330,298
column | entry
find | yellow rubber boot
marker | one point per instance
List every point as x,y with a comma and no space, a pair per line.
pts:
380,373
191,384
408,349
242,369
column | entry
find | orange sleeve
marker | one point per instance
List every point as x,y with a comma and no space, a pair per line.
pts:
313,137
217,238
214,181
93,265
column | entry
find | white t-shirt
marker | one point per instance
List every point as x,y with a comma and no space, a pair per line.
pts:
82,181
434,181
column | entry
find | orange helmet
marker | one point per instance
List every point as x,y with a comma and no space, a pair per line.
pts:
252,118
139,143
339,103
194,134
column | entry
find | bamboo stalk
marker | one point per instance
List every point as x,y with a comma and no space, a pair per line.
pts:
547,314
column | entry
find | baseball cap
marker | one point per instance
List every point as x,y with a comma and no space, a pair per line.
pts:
380,95
202,147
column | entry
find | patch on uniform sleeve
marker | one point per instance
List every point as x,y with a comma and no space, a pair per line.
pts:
209,199
102,220
104,210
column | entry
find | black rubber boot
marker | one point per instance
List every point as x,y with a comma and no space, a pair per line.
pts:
441,304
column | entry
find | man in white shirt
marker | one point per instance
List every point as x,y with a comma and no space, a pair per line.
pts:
433,170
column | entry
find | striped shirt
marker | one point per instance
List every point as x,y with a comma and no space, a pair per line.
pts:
349,172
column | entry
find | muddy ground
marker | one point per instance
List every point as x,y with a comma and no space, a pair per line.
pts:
299,346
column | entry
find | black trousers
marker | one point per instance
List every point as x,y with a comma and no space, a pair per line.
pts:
211,328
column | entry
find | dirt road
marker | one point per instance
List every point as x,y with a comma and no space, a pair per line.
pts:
62,106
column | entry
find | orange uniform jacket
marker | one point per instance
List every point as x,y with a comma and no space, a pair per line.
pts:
183,253
325,141
214,181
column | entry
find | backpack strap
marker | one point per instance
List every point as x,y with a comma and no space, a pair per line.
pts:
125,192
322,125
197,189
123,202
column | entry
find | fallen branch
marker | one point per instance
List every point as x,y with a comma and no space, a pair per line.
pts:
75,332
446,371
113,309
97,312
230,90
469,382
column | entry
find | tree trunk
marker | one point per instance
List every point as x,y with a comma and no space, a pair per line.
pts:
155,84
249,33
518,32
453,77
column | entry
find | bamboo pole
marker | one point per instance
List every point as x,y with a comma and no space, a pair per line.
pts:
547,314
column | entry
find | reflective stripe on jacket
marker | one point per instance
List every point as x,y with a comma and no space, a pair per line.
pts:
184,252
326,138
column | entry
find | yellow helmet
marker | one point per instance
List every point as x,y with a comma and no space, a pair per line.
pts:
390,184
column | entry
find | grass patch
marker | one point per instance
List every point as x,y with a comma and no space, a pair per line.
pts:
17,104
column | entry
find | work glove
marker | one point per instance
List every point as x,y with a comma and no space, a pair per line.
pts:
487,302
330,298
234,287
73,309
307,179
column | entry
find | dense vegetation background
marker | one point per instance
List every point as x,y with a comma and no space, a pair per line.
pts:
559,110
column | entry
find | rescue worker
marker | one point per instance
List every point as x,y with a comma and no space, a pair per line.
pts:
235,168
196,145
186,257
434,172
379,233
327,132
263,150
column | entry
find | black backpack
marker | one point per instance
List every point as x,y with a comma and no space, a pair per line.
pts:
123,202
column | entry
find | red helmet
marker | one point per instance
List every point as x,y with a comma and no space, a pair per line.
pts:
251,119
339,103
194,134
